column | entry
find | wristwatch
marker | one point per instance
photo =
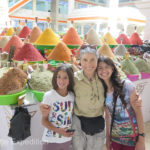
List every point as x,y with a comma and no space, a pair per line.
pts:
141,134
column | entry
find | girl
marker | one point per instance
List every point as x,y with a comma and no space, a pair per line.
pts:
126,129
59,118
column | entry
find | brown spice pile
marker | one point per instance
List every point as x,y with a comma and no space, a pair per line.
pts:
12,81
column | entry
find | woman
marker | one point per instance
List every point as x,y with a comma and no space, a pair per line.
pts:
125,131
88,119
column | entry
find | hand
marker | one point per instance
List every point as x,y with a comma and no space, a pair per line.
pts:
44,109
140,145
108,145
63,132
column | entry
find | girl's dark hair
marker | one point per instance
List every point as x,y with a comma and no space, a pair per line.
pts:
68,69
115,80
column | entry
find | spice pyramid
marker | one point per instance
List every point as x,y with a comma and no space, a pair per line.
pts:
3,41
29,53
35,33
48,37
14,41
120,50
142,65
135,39
72,37
92,38
10,32
24,32
105,50
60,53
122,38
18,30
108,39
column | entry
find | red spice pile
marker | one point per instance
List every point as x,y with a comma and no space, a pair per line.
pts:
14,41
124,38
72,37
135,39
24,32
28,53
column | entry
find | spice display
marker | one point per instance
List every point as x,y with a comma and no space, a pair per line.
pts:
135,39
142,65
129,67
60,53
120,50
10,32
28,53
105,50
48,37
41,80
92,38
108,39
18,30
3,41
12,81
4,57
24,32
35,33
72,37
14,41
123,39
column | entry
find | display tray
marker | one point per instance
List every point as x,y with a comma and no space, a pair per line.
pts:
38,94
10,99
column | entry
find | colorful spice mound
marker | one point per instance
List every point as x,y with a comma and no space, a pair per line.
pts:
60,53
135,39
120,50
3,41
124,39
28,53
13,81
92,38
14,41
24,32
108,39
128,67
105,50
41,81
142,65
10,32
18,30
48,37
72,37
35,33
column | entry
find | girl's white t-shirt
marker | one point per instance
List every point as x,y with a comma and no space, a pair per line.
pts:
60,115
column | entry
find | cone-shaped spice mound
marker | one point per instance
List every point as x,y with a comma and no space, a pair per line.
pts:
108,39
18,30
2,33
60,53
29,53
128,67
135,39
120,50
10,32
142,65
35,33
72,37
13,81
24,32
105,50
124,39
3,41
48,37
14,41
92,38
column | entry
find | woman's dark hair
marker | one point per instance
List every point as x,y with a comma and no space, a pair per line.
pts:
115,80
68,69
